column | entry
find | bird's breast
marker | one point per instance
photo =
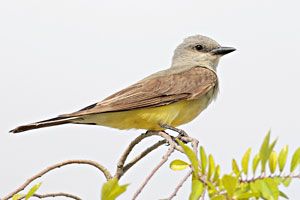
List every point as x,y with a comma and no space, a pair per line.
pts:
190,109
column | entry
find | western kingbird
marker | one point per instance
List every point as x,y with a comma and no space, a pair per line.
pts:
173,97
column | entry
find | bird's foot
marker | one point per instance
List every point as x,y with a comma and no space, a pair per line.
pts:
182,135
181,132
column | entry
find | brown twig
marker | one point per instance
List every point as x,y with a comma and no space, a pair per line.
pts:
121,162
121,169
179,185
263,176
58,165
143,154
53,195
164,159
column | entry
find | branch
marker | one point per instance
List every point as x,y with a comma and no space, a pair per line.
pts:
142,155
58,165
179,185
270,176
121,162
53,195
164,159
121,169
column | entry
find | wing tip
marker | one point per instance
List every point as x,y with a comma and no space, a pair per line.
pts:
46,123
16,130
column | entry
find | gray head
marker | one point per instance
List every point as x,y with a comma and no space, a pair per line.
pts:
199,50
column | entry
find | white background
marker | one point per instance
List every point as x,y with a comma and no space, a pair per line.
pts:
61,55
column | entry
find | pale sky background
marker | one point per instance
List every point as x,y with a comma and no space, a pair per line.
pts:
61,55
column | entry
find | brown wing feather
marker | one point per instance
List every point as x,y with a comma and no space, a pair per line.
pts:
156,91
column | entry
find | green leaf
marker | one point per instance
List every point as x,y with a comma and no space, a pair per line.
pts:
203,159
282,194
211,166
255,163
219,197
272,145
217,174
235,167
178,165
264,152
295,160
244,195
197,189
32,191
273,162
262,187
111,189
245,161
230,183
282,157
254,187
287,181
17,196
191,156
212,190
268,188
273,186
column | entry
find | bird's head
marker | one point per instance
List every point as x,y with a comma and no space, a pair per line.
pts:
199,50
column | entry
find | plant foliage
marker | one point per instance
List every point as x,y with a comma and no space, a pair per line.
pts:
111,189
240,184
29,194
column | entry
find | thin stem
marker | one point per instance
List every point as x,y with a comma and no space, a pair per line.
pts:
164,159
53,195
270,176
121,162
142,155
180,185
121,169
58,165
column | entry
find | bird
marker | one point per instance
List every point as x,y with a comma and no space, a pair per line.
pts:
171,97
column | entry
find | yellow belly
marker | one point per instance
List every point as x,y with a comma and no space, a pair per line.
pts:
150,118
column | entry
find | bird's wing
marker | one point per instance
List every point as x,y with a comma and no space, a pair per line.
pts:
156,91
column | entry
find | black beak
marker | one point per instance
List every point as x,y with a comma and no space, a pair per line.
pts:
222,50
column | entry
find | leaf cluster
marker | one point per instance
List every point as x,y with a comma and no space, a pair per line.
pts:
245,181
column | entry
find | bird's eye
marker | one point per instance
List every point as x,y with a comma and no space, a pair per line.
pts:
198,47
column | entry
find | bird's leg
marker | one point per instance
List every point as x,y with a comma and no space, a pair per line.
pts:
151,131
147,132
182,135
181,132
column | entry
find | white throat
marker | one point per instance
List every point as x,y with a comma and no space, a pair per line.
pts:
188,61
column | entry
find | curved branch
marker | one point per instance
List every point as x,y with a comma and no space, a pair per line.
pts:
58,165
121,169
121,162
142,155
53,195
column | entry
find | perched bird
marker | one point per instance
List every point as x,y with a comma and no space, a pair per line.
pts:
172,97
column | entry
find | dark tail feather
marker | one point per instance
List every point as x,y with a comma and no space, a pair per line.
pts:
46,123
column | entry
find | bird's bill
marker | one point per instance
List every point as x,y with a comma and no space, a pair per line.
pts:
222,50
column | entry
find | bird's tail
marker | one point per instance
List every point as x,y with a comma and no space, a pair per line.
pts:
46,123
